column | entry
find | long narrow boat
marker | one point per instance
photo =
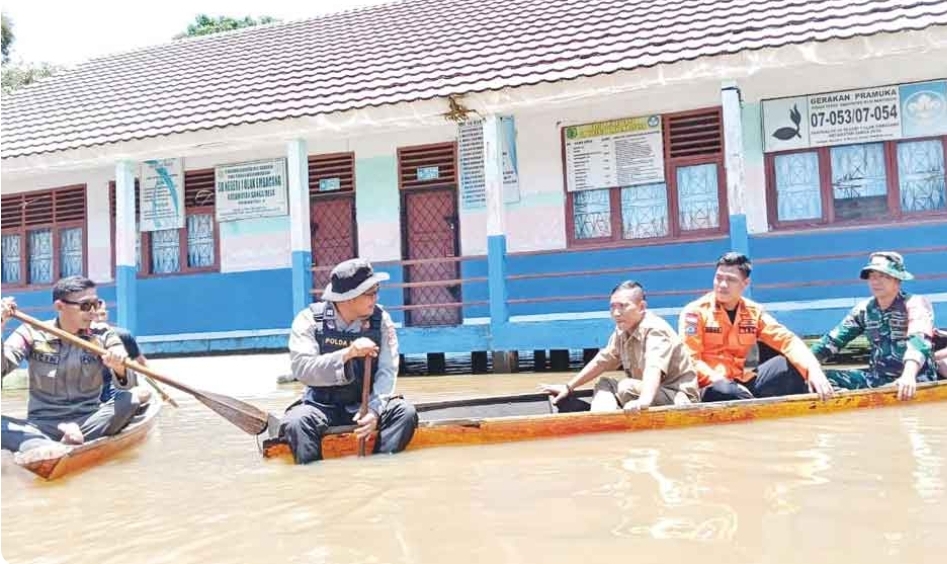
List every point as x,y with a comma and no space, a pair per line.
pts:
531,416
93,452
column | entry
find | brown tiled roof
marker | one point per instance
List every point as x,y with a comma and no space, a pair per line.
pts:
407,51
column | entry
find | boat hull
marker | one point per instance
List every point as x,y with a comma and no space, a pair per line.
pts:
89,454
492,430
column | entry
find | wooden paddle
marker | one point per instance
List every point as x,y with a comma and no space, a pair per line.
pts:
250,419
164,395
366,388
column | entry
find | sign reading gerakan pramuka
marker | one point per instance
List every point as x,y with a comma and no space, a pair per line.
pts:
879,113
251,190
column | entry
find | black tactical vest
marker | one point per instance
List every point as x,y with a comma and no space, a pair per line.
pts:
331,339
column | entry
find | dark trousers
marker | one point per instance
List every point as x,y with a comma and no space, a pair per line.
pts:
775,377
21,435
305,423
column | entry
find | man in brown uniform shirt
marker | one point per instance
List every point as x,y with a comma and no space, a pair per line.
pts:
659,370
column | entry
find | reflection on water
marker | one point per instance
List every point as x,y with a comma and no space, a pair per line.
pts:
862,487
928,480
674,507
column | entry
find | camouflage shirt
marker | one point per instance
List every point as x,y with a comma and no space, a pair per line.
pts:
897,334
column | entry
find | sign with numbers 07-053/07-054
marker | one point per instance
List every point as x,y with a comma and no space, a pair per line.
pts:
880,113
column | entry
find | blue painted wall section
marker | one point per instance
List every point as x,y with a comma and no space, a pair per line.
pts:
126,278
216,302
691,276
475,290
788,267
496,259
825,278
302,279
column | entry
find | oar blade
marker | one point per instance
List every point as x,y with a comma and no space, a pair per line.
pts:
248,418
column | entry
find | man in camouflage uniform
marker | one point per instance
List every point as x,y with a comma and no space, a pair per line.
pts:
899,327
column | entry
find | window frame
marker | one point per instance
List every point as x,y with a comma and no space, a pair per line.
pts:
671,165
828,220
189,210
56,226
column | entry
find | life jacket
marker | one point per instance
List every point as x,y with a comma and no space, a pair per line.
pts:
330,339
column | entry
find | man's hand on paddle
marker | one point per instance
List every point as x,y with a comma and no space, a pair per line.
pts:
819,383
365,424
557,391
114,359
9,306
360,348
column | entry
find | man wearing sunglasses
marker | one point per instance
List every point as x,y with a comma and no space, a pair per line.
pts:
65,381
327,349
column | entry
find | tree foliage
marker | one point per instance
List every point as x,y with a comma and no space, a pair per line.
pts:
206,25
16,75
7,35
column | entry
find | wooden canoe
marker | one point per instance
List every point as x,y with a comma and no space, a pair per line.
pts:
80,457
530,416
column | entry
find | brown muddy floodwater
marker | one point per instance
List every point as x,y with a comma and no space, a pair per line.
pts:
862,487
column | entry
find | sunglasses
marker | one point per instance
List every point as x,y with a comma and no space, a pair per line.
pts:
372,292
85,305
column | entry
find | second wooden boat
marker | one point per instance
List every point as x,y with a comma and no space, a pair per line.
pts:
527,417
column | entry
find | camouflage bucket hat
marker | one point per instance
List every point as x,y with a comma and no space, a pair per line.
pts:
887,262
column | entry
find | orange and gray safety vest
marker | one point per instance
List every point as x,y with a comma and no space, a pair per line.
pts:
720,347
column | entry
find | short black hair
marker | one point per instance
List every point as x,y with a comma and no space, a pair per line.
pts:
71,285
738,260
629,285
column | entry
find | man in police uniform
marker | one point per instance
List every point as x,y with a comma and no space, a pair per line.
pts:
65,381
719,330
899,327
327,348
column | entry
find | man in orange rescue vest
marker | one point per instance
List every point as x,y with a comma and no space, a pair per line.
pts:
719,330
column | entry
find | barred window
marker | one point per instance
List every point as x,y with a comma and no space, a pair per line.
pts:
691,201
192,248
858,183
43,236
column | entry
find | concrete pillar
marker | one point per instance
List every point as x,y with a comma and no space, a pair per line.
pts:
539,361
559,360
496,234
506,362
436,363
736,169
478,362
126,270
297,161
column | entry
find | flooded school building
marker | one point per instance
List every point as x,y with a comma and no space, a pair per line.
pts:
507,163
